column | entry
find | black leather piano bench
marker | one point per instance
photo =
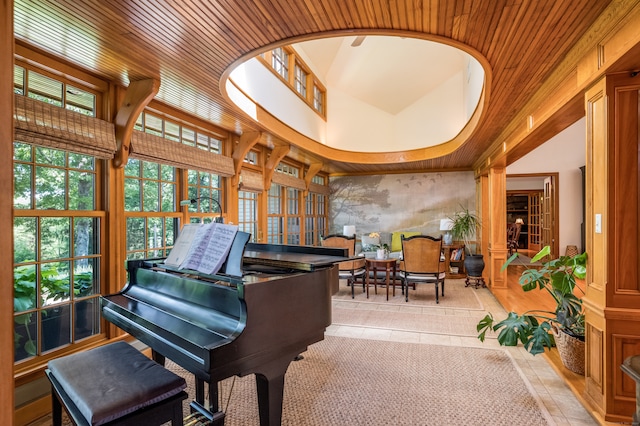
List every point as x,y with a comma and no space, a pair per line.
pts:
115,385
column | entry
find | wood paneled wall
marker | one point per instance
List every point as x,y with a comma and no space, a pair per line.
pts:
612,299
6,212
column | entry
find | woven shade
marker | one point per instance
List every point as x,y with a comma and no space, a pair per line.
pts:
148,147
48,125
289,181
251,181
319,189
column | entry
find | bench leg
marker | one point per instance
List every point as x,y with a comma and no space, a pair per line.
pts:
56,409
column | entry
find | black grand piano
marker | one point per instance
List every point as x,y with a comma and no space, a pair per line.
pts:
218,326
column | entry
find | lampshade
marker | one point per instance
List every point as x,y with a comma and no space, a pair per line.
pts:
349,230
520,221
446,224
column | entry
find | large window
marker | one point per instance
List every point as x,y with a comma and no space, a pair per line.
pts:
150,209
248,213
57,251
204,189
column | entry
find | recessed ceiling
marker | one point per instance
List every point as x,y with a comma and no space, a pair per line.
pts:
384,93
389,73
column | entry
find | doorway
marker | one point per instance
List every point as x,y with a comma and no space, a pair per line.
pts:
533,199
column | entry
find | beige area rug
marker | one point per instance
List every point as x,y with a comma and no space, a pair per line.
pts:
343,381
456,295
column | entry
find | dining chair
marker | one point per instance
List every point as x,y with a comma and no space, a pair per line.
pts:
350,269
513,235
421,263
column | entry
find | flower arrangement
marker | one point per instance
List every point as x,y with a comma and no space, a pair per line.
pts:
374,235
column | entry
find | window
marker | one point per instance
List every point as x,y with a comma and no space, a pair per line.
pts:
301,80
293,216
318,99
248,213
275,215
300,83
251,158
57,251
160,126
52,91
315,218
280,62
150,209
288,170
205,189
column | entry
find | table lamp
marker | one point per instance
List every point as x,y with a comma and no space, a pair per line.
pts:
349,230
446,225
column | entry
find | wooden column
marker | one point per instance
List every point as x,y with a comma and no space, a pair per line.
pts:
484,210
6,213
498,226
612,300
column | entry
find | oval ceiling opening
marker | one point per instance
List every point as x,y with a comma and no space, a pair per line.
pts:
383,93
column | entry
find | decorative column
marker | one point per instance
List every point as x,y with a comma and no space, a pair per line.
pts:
612,299
498,226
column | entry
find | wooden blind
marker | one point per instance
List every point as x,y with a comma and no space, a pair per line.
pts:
148,147
251,181
48,125
319,189
289,181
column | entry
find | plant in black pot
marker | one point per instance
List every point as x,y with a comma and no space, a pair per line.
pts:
465,225
537,329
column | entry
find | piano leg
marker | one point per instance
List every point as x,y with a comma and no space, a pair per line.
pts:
270,395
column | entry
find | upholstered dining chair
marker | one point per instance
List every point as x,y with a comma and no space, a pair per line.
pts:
351,269
513,235
421,263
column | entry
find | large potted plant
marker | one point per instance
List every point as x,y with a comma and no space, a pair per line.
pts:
464,227
537,329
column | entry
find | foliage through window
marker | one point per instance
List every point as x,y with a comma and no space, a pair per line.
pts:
150,209
53,91
165,128
57,252
204,188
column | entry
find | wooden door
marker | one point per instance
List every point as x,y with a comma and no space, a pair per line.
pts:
534,220
548,216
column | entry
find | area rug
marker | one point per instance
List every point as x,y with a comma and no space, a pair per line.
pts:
345,381
418,321
456,295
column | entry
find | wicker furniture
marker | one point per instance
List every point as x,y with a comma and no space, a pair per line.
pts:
351,269
421,263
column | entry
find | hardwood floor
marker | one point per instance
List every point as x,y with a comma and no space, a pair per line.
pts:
513,298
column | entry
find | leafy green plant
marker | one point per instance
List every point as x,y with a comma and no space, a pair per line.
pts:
464,226
54,287
558,278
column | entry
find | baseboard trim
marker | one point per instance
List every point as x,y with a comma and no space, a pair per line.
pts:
32,411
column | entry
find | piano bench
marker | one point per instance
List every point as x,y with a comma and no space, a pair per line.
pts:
114,384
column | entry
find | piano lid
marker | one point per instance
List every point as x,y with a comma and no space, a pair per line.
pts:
301,258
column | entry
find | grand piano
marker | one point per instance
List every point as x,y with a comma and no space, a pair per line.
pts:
274,303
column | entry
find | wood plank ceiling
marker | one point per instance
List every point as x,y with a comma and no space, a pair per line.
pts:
188,45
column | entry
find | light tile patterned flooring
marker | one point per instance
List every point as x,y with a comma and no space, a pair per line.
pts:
556,396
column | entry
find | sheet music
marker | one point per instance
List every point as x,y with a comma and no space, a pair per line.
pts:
217,248
181,247
208,247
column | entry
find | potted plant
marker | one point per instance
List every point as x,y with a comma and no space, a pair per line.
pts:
464,226
537,329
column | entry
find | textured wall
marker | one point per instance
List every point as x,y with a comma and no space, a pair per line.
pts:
399,202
